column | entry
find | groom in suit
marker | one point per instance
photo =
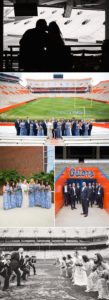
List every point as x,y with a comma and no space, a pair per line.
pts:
84,199
16,265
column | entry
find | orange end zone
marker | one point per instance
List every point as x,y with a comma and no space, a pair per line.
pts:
98,175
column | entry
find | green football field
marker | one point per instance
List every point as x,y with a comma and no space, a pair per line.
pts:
47,108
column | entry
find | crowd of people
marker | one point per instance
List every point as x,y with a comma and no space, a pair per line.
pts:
23,194
92,273
46,49
53,128
15,265
87,195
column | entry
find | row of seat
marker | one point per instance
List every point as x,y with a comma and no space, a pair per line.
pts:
83,25
22,141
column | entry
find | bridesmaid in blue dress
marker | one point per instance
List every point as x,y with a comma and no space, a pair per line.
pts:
31,128
31,193
6,196
86,129
37,193
22,128
68,128
19,196
40,129
13,196
48,196
77,129
42,194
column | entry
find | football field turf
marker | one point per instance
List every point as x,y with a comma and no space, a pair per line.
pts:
47,108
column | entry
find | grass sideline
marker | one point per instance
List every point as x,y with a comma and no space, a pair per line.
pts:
59,108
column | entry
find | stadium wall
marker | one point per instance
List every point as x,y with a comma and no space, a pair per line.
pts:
25,160
66,174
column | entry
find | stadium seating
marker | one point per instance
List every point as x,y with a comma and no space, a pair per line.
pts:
25,141
68,88
83,25
59,87
88,141
13,94
100,92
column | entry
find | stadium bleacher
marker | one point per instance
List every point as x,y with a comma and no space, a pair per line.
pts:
76,27
73,87
12,92
83,32
100,92
54,240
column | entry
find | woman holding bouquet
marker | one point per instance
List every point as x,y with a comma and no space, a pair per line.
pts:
25,194
37,193
42,194
47,195
6,196
13,195
19,196
31,193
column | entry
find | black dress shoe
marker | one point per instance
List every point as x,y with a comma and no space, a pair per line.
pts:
85,215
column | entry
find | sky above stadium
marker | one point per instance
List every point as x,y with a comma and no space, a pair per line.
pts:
96,77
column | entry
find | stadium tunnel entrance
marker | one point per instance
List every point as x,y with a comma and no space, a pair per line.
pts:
78,174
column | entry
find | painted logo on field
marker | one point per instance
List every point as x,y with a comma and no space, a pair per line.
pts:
81,173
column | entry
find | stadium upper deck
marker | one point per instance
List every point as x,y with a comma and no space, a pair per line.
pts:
12,92
82,26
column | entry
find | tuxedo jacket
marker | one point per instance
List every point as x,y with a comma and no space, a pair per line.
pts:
17,124
101,191
16,260
84,194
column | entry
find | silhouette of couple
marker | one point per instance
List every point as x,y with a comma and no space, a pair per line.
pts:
42,49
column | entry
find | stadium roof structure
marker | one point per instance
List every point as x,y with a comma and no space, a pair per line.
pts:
86,4
9,77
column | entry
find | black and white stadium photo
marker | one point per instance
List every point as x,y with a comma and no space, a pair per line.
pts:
54,35
54,263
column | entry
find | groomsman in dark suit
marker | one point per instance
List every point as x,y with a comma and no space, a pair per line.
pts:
55,129
90,128
35,129
73,196
73,128
17,126
84,199
78,193
94,193
5,270
16,264
69,193
83,128
44,126
65,194
90,194
27,126
63,128
100,195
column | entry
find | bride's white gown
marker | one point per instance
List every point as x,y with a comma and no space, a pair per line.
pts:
25,195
